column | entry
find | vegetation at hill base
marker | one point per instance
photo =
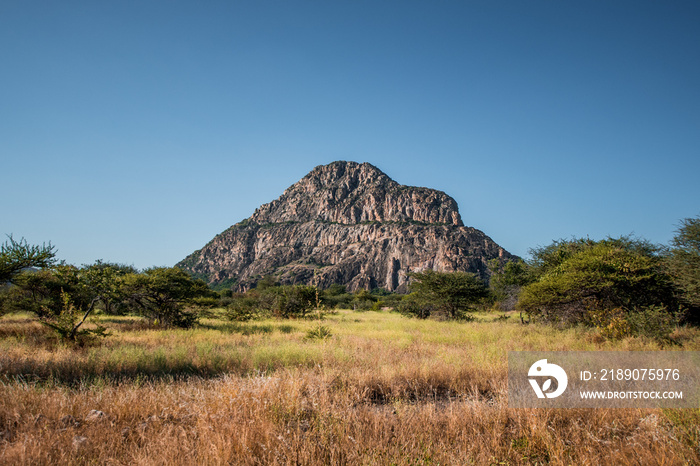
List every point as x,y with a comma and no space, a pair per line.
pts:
63,296
683,260
290,374
445,295
16,256
621,286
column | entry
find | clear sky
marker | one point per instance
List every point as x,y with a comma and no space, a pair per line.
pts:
135,131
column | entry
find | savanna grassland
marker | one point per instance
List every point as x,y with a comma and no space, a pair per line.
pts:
381,389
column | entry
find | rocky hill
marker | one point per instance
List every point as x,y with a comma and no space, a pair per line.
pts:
346,223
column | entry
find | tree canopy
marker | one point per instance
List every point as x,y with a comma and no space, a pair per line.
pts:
450,294
162,293
16,256
684,260
577,276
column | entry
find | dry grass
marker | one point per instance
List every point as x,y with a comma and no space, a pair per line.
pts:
382,390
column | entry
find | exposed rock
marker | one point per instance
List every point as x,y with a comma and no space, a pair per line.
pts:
95,415
79,442
346,223
69,421
351,193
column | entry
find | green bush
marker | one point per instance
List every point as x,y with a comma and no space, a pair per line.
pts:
62,298
320,332
165,295
654,322
506,282
68,321
363,300
295,301
411,306
243,307
445,294
336,297
575,278
683,263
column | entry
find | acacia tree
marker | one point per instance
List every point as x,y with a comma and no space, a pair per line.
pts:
577,277
60,297
684,260
162,294
450,294
16,256
507,279
295,300
106,279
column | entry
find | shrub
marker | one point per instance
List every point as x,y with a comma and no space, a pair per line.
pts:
449,294
576,277
654,322
611,323
318,332
336,297
363,300
295,301
507,279
243,307
162,295
67,322
683,262
411,306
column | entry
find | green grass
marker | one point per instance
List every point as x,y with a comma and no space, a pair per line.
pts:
378,339
381,389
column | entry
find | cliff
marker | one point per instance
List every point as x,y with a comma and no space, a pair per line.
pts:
346,223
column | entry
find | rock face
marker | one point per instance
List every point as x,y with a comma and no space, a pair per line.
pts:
346,223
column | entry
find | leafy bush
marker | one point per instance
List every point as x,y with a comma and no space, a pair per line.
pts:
683,263
363,300
446,294
67,323
43,292
392,300
318,332
507,279
243,307
582,275
295,301
61,298
165,295
611,323
336,297
411,306
654,322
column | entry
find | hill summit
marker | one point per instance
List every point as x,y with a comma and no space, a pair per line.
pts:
345,223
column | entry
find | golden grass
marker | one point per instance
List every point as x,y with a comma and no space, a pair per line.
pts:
382,390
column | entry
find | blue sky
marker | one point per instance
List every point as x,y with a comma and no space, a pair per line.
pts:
135,131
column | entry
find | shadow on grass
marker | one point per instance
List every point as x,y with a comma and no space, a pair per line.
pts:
245,328
82,375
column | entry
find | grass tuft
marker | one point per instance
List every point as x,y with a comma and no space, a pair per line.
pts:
383,390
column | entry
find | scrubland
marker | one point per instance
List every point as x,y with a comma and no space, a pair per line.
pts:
382,389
